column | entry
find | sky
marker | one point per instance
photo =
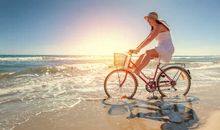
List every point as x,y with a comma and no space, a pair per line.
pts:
102,27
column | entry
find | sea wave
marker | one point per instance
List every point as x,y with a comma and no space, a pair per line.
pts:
196,58
203,65
52,58
47,88
84,69
21,58
66,69
91,57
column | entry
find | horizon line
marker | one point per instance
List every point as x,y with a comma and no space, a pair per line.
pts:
91,55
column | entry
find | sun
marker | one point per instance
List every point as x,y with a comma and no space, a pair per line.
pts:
103,41
96,36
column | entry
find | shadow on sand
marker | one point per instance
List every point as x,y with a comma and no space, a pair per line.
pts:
174,113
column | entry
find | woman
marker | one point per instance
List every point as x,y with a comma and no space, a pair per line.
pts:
164,50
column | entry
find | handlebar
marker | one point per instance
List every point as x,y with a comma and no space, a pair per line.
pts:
130,52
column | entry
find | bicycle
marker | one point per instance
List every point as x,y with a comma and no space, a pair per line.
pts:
122,83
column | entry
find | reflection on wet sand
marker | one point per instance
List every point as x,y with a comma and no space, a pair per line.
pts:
173,113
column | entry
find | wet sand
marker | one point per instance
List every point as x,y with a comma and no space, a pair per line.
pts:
201,114
88,115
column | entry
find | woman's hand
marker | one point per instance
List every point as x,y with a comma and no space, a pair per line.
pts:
135,51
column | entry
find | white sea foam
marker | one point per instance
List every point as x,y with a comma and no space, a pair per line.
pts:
21,58
54,58
206,66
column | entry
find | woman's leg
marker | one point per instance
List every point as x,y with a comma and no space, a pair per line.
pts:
150,54
139,60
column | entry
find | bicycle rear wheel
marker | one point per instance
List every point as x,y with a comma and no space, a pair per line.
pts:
120,84
174,81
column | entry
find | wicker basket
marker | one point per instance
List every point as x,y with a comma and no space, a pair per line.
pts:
120,60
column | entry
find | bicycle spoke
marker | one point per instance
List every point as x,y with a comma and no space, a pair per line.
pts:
120,84
179,85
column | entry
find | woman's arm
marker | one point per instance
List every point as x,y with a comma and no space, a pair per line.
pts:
149,38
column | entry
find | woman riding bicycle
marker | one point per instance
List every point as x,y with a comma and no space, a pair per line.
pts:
164,49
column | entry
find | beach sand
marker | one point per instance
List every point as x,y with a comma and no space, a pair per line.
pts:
212,122
88,115
201,114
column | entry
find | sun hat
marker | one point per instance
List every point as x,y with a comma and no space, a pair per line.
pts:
153,15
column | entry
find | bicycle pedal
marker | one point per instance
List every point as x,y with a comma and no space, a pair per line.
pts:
123,97
163,75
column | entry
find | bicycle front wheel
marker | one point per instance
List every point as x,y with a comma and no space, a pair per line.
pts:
120,84
174,81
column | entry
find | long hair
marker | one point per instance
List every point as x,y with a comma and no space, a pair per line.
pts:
160,22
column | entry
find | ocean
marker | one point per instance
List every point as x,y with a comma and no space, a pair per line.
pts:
32,84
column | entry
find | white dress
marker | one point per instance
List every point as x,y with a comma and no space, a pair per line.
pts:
165,47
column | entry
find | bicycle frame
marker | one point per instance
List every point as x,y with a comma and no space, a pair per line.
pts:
165,77
130,62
